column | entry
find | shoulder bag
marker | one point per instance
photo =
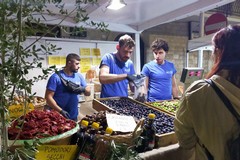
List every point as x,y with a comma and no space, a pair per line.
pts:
71,86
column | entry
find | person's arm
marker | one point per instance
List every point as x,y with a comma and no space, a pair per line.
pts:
174,88
106,78
50,101
87,91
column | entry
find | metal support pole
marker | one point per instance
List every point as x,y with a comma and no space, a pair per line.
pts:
137,57
201,32
200,58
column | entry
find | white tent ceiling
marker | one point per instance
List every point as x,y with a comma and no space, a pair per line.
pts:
137,16
140,15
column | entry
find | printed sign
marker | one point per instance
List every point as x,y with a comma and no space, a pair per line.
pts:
96,51
56,152
96,61
62,60
121,123
85,51
16,110
54,60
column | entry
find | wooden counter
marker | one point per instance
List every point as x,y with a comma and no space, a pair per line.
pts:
171,152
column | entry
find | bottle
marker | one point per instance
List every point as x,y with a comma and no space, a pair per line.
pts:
87,152
80,133
146,139
80,137
102,149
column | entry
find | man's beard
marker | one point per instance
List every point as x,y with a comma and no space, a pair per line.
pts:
75,71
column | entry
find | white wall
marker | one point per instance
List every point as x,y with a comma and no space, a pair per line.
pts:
67,45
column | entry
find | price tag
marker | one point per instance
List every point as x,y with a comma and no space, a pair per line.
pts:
121,123
56,152
16,110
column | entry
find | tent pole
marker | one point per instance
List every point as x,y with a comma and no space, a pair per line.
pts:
137,56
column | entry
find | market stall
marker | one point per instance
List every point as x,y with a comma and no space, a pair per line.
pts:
165,144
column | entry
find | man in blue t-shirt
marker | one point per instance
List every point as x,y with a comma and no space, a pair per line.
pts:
160,74
116,69
57,95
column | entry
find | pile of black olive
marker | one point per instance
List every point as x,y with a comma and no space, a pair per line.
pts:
100,118
163,122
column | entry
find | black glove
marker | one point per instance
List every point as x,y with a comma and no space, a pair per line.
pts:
141,98
79,90
64,114
134,77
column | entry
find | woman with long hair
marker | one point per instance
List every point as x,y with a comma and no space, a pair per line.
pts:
203,121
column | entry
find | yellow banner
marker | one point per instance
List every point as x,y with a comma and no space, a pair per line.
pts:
56,152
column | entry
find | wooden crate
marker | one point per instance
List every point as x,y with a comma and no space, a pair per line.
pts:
151,105
161,139
99,106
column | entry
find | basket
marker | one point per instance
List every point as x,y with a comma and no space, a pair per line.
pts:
39,102
128,139
61,139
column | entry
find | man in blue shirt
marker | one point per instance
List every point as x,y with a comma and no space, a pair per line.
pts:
160,74
58,97
116,69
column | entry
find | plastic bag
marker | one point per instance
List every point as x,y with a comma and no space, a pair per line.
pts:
140,90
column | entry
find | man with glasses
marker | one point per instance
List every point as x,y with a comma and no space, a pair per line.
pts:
160,74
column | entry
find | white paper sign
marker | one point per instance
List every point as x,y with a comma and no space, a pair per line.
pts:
121,123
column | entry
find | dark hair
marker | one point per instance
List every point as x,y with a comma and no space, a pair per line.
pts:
160,44
226,44
126,41
72,56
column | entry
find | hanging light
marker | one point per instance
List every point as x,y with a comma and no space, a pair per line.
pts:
116,4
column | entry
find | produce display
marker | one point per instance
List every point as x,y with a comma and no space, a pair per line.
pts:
169,106
39,124
163,121
100,118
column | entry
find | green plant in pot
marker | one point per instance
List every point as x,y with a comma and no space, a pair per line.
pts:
18,20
